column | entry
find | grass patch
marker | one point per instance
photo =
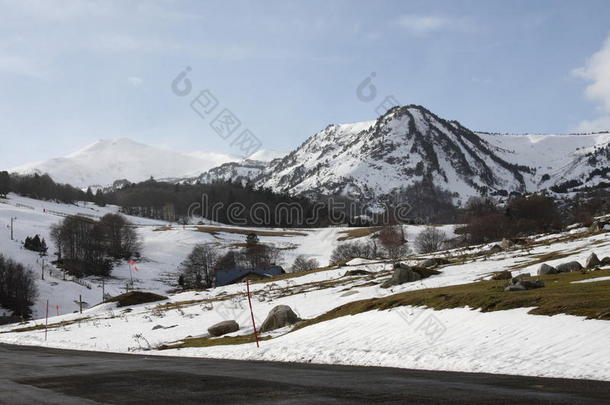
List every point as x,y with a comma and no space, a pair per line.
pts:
50,326
559,296
208,342
543,258
217,229
136,298
358,232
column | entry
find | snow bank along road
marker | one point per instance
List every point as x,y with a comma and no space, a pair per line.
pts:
49,376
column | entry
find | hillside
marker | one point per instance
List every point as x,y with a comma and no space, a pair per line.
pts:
456,319
165,247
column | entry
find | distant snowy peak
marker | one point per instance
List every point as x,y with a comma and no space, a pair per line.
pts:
267,155
405,145
410,144
239,172
107,160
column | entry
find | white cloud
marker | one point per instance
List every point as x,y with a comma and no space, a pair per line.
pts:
597,70
423,24
135,81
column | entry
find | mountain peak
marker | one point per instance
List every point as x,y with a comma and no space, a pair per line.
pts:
109,159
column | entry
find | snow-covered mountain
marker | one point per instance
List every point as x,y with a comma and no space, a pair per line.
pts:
409,144
108,160
242,171
267,155
365,160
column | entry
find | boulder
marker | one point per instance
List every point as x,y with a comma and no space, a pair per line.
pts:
517,284
356,272
495,249
278,317
434,262
569,266
546,269
592,261
605,261
502,275
222,328
506,244
596,226
402,274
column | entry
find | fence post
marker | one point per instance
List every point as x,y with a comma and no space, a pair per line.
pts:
251,312
46,322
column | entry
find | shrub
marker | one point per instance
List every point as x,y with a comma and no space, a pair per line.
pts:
136,298
302,263
430,240
392,238
350,250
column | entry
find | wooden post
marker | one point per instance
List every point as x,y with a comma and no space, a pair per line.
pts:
80,303
103,291
46,322
251,312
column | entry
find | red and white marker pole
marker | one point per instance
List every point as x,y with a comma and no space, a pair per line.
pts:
46,322
251,312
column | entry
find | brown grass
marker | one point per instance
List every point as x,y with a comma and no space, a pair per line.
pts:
213,230
355,233
207,342
559,296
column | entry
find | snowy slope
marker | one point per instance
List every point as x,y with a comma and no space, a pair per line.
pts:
163,249
509,342
108,160
556,158
267,155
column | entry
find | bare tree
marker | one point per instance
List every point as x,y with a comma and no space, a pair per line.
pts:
302,263
197,270
430,240
393,240
351,250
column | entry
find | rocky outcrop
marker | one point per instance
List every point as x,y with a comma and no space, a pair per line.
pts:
279,317
592,261
518,284
434,262
502,275
222,328
546,269
569,266
402,274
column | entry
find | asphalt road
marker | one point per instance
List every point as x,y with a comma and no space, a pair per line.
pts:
32,375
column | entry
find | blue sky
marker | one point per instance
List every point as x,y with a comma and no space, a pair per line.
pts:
72,72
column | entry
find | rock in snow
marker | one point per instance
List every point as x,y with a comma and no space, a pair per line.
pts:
402,274
592,261
222,328
279,317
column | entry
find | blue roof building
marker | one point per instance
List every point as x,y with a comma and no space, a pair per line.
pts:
232,276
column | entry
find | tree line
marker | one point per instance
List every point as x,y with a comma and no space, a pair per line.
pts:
18,290
89,247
